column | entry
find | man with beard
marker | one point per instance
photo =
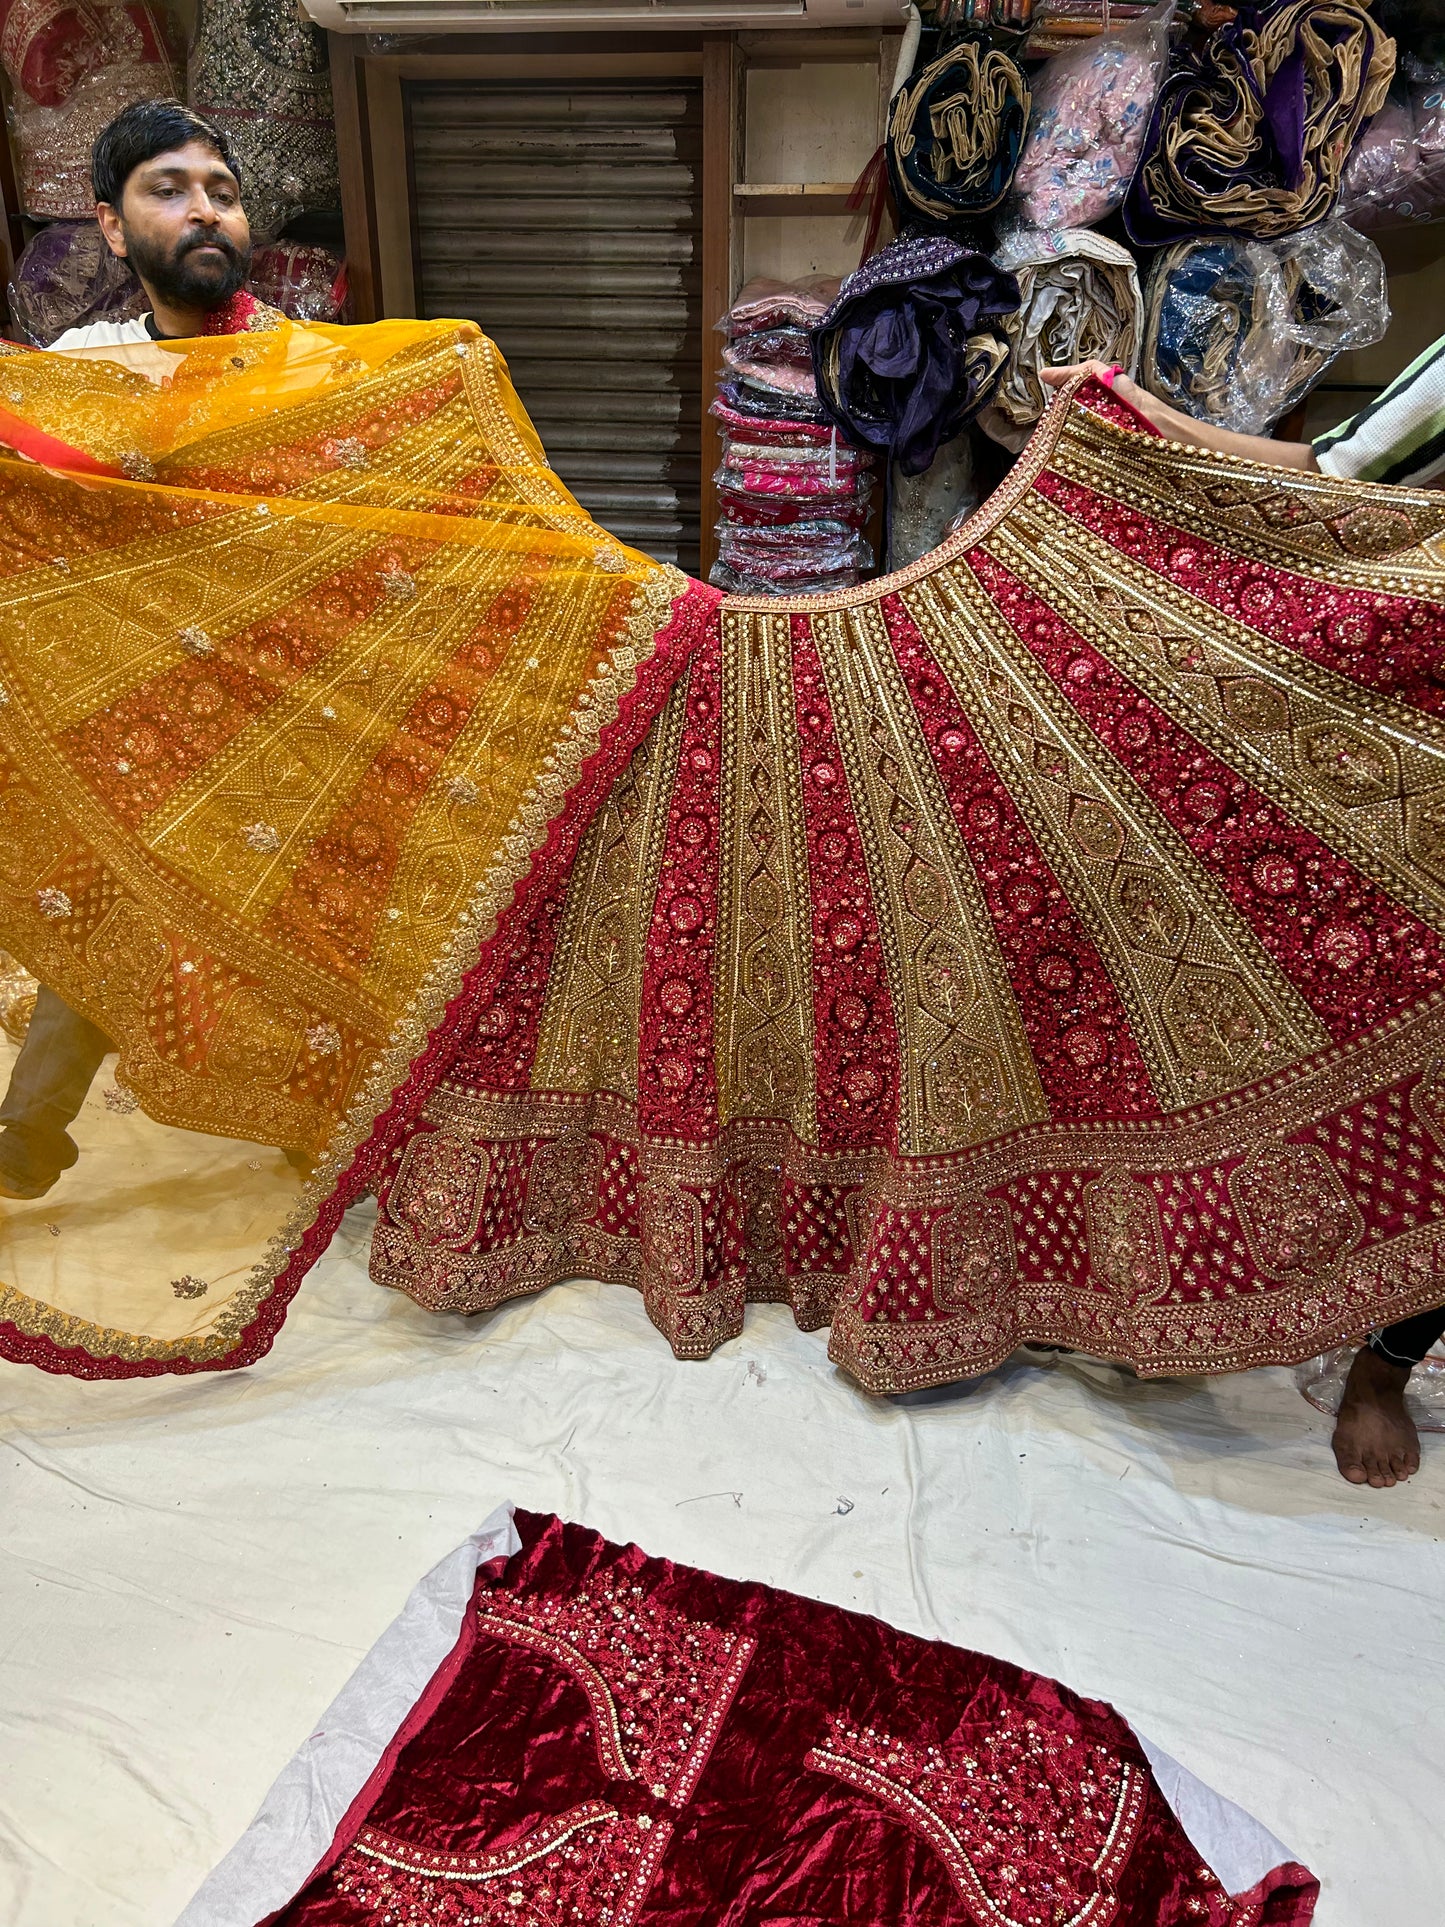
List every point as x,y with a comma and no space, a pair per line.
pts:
168,200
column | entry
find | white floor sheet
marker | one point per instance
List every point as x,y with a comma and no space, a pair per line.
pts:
191,1568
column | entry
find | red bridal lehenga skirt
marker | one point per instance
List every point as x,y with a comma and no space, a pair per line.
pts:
1043,943
559,1732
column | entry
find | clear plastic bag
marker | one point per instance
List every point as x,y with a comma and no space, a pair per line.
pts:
750,398
779,360
1322,1381
791,482
764,305
1236,332
1396,176
737,583
1091,109
804,548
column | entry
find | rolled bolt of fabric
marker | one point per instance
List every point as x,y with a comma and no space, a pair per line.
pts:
1252,131
1079,300
955,133
912,348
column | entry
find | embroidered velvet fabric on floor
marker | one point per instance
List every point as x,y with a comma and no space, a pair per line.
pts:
620,1740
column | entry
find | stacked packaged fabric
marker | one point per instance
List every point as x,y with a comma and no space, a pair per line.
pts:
794,495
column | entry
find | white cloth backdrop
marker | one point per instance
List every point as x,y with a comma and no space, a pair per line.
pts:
191,1569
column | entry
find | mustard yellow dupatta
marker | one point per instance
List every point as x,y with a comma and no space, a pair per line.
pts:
302,649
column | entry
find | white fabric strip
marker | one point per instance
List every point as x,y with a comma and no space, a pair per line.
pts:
1227,1839
281,1848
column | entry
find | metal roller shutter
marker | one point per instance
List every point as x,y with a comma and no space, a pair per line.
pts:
566,220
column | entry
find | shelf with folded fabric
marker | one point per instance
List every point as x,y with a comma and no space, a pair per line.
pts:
792,197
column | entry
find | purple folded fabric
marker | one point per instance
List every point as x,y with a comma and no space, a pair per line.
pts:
908,354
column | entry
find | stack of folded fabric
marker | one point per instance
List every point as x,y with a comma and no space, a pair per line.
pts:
794,495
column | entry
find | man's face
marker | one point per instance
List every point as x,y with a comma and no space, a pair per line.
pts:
181,226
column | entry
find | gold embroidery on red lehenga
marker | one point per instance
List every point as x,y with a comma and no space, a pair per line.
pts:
1073,925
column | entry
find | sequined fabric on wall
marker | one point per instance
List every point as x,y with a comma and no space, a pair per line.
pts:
259,69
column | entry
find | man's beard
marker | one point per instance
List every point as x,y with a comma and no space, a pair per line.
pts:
178,276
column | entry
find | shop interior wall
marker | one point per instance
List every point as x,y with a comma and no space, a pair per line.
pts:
811,121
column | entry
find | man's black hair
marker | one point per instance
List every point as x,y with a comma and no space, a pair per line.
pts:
140,132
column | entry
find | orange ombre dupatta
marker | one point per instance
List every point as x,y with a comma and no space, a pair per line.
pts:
303,651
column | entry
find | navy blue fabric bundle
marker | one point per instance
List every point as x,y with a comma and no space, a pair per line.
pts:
906,355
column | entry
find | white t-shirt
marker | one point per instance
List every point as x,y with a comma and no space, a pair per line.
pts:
103,334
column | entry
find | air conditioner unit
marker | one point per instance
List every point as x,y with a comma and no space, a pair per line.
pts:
517,16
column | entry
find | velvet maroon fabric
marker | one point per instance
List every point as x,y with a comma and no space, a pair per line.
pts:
625,1741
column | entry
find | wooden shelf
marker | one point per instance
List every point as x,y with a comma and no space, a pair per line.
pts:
792,197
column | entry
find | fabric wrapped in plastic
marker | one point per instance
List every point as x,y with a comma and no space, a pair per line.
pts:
794,497
66,277
777,430
753,399
954,133
261,72
308,283
1253,129
912,348
1236,332
820,543
779,360
1091,109
1396,175
764,305
72,68
1079,301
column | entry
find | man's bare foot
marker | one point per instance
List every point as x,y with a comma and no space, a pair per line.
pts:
1375,1441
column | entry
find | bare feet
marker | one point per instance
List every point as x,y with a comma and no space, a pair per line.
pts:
1375,1441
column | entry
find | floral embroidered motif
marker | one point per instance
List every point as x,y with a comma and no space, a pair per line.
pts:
437,1195
189,1287
264,838
590,1864
1034,1826
975,1263
659,1684
1126,1239
1298,1217
562,1183
53,903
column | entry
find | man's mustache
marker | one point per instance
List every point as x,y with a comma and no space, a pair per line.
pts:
222,243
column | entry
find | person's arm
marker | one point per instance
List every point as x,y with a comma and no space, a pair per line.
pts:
1180,427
